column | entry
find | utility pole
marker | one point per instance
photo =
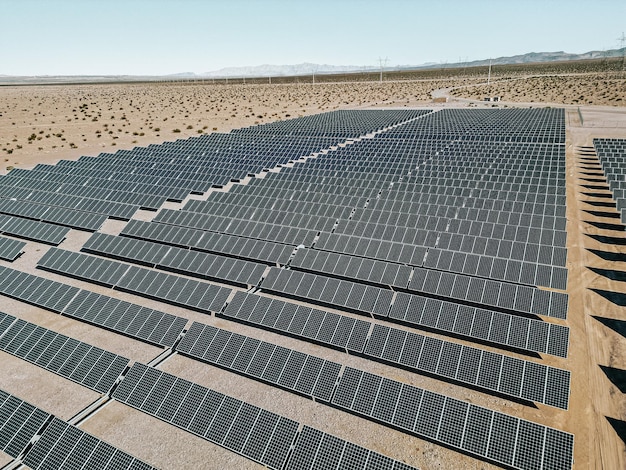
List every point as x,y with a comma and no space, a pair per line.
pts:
622,42
489,74
381,62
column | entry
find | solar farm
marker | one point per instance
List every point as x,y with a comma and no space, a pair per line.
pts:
358,289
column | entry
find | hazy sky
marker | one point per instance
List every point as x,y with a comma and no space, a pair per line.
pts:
72,37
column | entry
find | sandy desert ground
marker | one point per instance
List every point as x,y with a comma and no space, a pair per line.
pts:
43,124
598,89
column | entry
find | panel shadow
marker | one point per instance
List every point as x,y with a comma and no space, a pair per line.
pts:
596,187
616,376
594,180
606,214
608,255
600,204
612,274
619,326
614,297
602,195
606,226
619,426
607,240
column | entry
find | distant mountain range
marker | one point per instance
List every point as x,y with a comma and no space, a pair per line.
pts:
267,70
309,69
306,68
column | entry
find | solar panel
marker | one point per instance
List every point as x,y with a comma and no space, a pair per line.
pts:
33,230
475,430
268,437
10,249
80,362
19,423
65,446
165,287
443,359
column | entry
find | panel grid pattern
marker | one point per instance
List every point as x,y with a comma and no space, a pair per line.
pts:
423,354
80,362
123,317
166,287
65,446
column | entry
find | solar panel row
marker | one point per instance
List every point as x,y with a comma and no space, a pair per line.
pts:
492,267
212,242
239,227
117,315
10,249
191,263
32,230
62,445
19,423
612,156
144,201
301,373
112,209
444,236
255,433
446,285
168,288
505,375
498,437
79,220
46,174
80,362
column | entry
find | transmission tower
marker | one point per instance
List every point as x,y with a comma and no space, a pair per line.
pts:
622,42
382,61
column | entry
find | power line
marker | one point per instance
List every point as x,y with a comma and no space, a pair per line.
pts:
622,41
381,61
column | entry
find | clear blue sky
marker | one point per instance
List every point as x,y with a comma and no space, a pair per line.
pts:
72,37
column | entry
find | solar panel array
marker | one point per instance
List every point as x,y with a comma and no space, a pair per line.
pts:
10,249
130,319
450,222
32,230
58,445
87,365
253,432
169,288
612,156
445,360
179,260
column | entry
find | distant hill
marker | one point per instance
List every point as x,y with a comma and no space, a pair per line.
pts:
306,68
267,70
533,57
309,69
